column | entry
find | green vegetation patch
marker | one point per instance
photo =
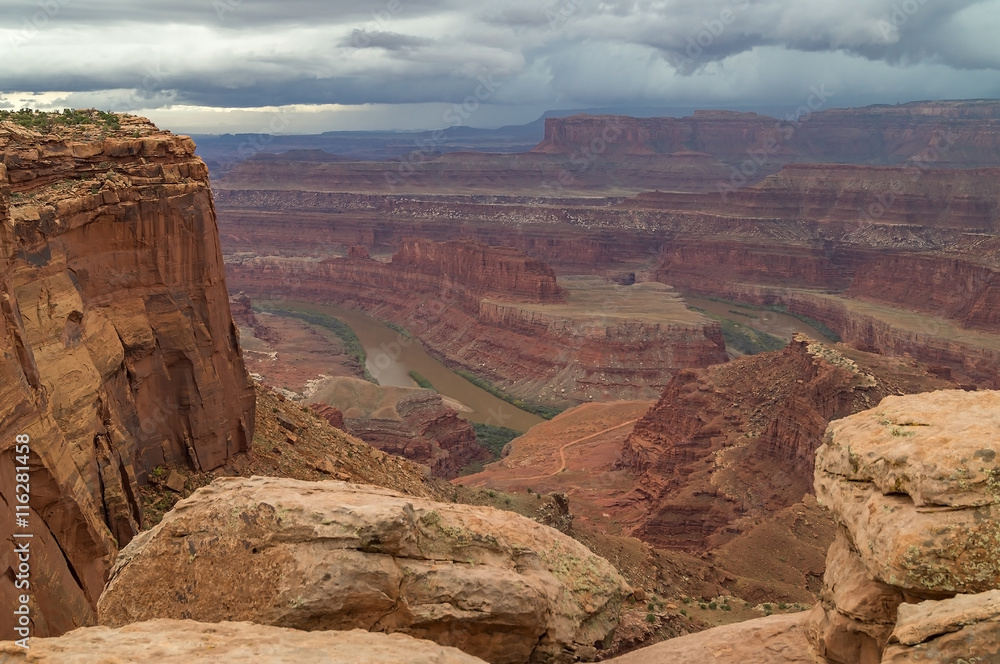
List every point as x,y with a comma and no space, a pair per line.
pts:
819,326
45,121
421,380
494,438
748,340
396,327
545,412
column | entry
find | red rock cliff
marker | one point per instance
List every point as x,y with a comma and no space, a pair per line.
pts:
738,441
952,132
120,352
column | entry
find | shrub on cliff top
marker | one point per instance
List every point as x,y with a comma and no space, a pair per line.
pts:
45,121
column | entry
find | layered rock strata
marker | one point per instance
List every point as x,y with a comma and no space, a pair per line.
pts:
120,352
190,642
412,423
739,439
913,574
329,555
805,232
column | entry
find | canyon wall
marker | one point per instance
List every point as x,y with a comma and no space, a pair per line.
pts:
957,132
739,440
535,347
119,350
895,206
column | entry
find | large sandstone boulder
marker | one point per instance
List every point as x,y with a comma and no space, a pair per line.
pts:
330,555
773,640
190,642
916,484
856,614
965,628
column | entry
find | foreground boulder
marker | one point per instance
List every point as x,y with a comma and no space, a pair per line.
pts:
190,642
773,640
947,631
330,555
915,487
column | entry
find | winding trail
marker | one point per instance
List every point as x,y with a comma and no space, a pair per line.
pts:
563,448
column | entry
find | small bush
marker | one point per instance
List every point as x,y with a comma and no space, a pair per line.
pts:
713,606
650,618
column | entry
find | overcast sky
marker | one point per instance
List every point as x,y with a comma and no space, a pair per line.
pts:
302,67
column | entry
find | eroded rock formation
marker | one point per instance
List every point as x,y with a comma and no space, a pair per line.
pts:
190,642
739,439
330,555
120,352
413,423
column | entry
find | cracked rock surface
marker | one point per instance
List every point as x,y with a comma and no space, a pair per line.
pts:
336,556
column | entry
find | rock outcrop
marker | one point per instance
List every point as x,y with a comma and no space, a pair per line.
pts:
190,642
964,628
413,423
119,350
739,439
773,640
913,485
330,555
505,317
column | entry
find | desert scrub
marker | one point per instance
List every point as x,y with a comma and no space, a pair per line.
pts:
46,121
421,380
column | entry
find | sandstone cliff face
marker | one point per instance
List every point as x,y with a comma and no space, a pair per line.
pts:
190,642
120,353
329,555
739,439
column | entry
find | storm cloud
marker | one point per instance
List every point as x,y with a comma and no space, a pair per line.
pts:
382,55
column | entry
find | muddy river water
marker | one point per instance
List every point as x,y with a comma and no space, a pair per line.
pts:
391,357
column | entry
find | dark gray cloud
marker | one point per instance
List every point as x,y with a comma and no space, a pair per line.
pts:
548,54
